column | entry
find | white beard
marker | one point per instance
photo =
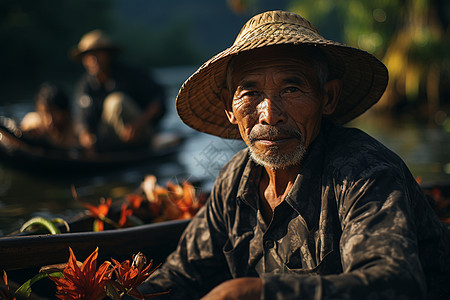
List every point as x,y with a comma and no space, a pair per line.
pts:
279,161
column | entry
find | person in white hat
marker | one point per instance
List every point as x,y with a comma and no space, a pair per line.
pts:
117,106
310,209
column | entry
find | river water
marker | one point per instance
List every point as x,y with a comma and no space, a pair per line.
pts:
23,195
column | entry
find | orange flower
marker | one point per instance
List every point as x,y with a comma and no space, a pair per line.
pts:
176,191
100,211
174,202
184,197
125,212
189,204
134,201
6,293
83,283
130,277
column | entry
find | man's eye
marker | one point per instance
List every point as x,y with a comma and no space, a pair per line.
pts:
251,94
291,89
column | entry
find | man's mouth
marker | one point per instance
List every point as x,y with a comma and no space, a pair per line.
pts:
273,135
273,140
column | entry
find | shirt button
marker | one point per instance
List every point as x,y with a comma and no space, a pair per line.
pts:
268,243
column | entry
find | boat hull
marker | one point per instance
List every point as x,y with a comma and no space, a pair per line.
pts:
156,241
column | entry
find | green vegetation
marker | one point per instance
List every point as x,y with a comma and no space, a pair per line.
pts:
411,37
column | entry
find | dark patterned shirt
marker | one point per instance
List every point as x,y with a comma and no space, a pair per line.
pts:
355,225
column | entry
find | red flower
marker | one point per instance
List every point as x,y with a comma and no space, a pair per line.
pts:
83,283
125,212
134,201
5,294
130,277
100,211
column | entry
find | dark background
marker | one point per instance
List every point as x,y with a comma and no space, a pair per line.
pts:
36,36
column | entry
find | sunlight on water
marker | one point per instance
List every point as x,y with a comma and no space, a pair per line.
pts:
424,148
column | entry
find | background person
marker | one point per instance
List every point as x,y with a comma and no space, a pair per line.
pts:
311,209
116,106
51,123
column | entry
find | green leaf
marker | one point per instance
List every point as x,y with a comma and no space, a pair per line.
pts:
61,221
98,225
112,292
25,289
39,221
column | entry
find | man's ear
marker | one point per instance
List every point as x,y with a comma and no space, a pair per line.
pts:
226,100
331,93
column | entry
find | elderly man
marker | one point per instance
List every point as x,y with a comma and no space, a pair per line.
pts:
310,210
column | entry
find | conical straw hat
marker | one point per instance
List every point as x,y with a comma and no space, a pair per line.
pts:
363,76
92,41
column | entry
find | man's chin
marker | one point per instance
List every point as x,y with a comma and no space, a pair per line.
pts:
276,160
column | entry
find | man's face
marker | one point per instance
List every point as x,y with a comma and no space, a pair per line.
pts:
96,61
277,104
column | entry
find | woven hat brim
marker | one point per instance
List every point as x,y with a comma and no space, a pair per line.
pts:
77,54
364,78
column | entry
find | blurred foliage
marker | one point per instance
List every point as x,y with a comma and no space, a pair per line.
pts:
241,6
412,37
171,46
36,36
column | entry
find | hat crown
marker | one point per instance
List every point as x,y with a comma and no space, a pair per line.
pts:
277,18
94,40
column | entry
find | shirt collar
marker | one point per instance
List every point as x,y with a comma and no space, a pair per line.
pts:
248,190
305,195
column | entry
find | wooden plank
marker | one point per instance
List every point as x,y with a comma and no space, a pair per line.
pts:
156,241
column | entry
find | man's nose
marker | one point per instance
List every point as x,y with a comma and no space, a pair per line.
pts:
271,111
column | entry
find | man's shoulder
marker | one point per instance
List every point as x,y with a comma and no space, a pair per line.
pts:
348,141
353,139
356,152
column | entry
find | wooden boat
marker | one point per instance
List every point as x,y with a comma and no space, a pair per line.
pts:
18,152
155,240
22,256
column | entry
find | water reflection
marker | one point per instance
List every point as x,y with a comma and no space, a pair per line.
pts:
424,148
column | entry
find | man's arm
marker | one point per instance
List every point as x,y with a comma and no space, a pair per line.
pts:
150,97
133,130
248,288
198,264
